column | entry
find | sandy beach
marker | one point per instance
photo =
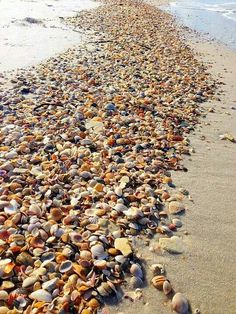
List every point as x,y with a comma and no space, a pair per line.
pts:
109,148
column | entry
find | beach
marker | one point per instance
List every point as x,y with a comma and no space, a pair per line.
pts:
116,156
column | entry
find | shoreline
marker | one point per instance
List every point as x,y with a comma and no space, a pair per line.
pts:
190,231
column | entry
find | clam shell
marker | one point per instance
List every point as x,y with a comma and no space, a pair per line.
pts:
157,269
180,304
98,252
65,266
48,256
120,208
41,295
136,270
167,288
158,282
3,295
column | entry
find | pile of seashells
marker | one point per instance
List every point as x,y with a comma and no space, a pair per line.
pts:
87,143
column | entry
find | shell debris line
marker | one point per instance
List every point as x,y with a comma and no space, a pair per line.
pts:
88,141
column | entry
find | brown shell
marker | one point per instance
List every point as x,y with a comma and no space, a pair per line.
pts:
158,282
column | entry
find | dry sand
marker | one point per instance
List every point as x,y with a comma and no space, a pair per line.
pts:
206,272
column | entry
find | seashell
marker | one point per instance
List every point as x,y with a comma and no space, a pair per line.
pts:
50,284
177,222
158,282
24,259
41,295
100,264
37,242
167,288
97,251
136,270
9,267
93,303
86,175
116,234
120,259
118,191
7,285
3,295
112,251
56,214
65,266
28,282
48,256
34,209
180,304
84,254
12,208
92,227
104,289
4,310
21,301
120,208
133,213
91,212
136,282
79,270
157,269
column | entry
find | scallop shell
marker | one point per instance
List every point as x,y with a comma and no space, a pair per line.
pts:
158,282
98,252
136,270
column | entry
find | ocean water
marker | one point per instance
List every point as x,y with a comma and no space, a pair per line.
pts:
31,30
214,18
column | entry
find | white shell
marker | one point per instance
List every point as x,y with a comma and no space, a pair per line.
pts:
41,295
97,251
65,266
30,281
